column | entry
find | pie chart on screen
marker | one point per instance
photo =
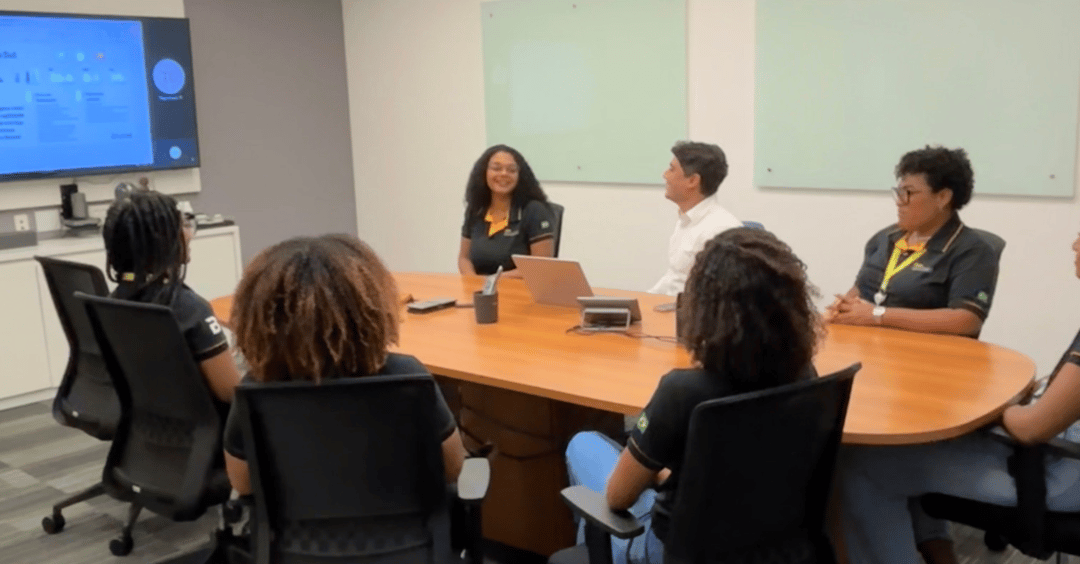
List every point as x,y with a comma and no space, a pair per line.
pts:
169,76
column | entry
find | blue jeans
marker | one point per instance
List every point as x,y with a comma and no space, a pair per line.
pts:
590,459
878,480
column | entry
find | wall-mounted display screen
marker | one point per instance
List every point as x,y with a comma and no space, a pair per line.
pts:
82,94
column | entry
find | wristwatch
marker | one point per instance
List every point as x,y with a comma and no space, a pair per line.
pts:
879,313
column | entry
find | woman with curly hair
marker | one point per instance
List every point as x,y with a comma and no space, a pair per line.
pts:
506,213
929,273
746,299
319,308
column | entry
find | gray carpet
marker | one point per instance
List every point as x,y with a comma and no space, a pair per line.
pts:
42,462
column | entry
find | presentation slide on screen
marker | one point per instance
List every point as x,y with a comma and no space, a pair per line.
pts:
78,94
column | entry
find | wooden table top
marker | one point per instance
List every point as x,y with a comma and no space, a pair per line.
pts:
913,387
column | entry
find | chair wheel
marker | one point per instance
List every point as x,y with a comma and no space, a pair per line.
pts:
53,524
995,542
121,546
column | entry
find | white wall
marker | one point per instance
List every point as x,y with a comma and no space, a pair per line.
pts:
417,109
42,193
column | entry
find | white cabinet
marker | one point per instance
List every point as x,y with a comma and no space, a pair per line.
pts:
24,362
33,349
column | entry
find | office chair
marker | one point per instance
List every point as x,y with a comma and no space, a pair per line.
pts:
754,225
1029,525
558,211
85,399
166,455
754,484
351,470
996,243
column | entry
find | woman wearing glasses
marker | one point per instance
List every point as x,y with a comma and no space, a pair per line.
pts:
506,213
929,273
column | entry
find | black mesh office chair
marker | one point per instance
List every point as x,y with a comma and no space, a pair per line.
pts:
558,210
351,471
754,484
166,455
1028,525
85,399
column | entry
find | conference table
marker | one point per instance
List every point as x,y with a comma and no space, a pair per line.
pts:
912,388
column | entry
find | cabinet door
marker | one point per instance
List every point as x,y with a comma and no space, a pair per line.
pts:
24,362
213,267
57,344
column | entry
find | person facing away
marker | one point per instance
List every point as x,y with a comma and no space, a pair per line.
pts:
691,181
147,248
750,324
506,213
318,308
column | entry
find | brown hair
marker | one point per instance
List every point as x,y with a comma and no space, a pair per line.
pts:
748,310
313,308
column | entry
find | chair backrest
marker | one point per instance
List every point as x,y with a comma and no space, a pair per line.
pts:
996,243
85,398
348,470
167,450
754,225
758,471
558,211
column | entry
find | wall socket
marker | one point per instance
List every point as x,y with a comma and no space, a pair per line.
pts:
22,222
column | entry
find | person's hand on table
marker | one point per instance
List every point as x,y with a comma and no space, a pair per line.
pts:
856,311
842,304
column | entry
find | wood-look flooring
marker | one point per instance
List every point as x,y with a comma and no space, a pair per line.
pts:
42,462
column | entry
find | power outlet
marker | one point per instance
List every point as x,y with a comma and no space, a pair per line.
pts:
22,222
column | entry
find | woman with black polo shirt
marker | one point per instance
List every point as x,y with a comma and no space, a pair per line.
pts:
878,481
928,272
506,213
147,247
317,308
751,324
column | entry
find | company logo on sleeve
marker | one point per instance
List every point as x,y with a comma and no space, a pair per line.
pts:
642,422
545,224
983,297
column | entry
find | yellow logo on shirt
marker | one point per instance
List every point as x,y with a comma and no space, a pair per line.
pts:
642,422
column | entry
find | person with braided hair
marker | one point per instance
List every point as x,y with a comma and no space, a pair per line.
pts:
147,250
747,297
318,308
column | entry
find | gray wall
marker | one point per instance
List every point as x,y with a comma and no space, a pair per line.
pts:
273,112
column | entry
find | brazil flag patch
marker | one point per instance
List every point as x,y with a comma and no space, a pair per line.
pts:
642,422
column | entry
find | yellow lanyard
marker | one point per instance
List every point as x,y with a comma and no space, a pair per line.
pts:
892,268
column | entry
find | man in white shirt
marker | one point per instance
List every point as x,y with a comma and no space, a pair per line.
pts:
692,179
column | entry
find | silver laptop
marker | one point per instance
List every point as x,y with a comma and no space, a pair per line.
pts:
553,281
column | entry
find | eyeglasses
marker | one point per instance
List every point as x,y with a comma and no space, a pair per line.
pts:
903,195
189,224
499,169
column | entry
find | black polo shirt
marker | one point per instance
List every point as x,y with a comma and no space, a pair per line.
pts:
659,439
202,331
534,222
959,270
233,440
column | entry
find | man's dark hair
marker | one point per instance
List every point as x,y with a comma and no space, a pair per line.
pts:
705,159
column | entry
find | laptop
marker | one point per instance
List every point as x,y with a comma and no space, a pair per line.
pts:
553,281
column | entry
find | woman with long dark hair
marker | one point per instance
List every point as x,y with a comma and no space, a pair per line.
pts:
506,213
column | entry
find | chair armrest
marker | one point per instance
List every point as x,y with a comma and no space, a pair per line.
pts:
593,507
1055,446
472,483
